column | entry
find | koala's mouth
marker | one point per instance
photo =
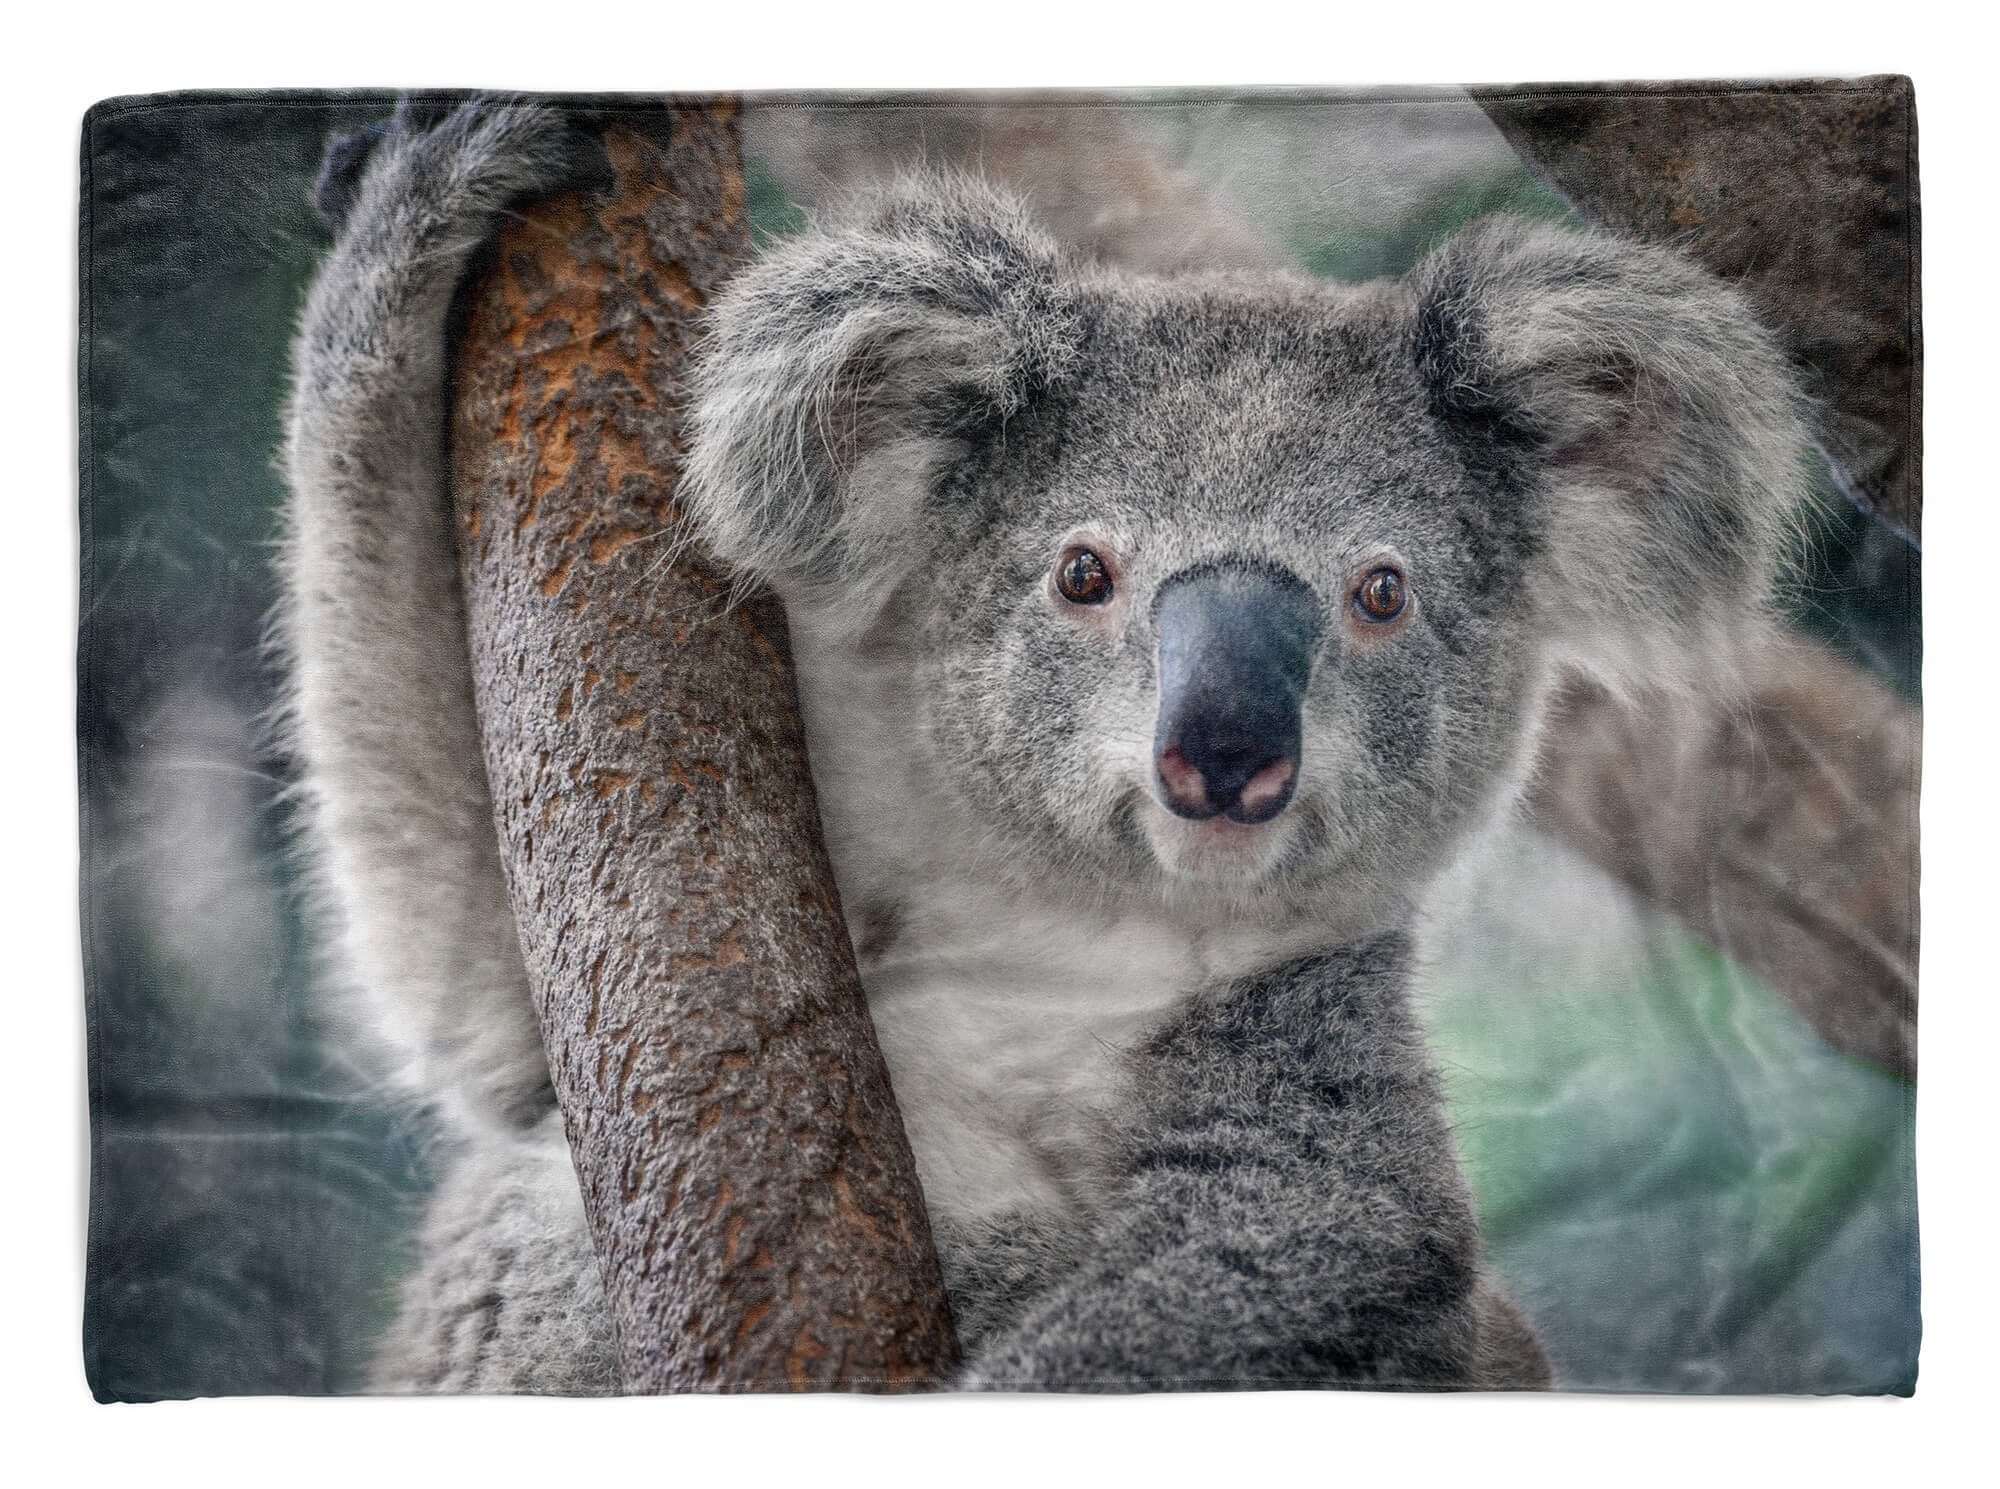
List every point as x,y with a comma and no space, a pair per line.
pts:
1216,850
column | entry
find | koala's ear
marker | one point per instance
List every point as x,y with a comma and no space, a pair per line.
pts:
1651,428
848,369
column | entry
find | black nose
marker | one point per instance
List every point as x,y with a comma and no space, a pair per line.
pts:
1236,652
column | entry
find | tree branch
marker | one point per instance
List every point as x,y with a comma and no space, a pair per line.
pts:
750,1190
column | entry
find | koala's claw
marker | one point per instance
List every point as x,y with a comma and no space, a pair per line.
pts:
472,156
340,168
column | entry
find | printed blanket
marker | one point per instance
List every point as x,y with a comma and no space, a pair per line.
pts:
1144,741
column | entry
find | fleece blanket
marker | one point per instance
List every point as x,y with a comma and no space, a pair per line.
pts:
1152,741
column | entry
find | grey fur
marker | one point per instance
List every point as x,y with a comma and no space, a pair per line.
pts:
1171,1110
505,1295
380,705
1285,1208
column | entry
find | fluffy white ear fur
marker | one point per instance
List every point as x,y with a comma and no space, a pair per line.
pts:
847,368
1640,396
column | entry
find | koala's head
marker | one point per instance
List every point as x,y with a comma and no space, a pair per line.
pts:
1232,588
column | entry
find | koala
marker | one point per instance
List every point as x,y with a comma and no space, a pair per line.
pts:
1161,643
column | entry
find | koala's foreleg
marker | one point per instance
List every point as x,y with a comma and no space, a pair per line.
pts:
380,709
1287,1208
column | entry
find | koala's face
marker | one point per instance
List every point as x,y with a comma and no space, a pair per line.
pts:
1238,592
1230,617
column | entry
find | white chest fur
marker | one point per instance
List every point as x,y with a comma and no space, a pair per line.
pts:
1002,1012
1003,1022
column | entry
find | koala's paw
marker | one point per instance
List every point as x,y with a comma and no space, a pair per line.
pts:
340,168
436,164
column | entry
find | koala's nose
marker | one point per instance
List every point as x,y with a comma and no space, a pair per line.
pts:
1236,653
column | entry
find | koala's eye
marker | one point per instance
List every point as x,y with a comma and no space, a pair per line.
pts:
1082,578
1381,595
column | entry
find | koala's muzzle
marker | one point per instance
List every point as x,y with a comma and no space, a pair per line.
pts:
1236,653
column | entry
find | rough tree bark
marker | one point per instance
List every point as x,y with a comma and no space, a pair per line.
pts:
750,1190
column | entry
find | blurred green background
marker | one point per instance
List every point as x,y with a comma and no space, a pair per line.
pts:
1688,1189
